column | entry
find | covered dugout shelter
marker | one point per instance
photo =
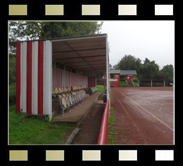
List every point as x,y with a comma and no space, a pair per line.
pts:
36,74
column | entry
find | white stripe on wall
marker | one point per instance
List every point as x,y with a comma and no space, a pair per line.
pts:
35,78
24,76
44,78
47,84
50,78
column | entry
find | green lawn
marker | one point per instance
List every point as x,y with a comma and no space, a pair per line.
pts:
24,129
100,88
111,123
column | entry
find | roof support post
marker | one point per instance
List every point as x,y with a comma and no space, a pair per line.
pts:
107,73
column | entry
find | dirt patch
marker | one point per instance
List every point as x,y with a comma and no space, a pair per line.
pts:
90,127
143,115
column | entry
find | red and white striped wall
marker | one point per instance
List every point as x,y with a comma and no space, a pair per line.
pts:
34,78
65,78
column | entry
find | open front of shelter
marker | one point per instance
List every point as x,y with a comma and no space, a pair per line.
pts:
63,68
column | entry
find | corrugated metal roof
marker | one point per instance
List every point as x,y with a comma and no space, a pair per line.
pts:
123,72
83,53
114,71
87,53
128,72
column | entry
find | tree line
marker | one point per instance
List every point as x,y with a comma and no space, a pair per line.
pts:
145,70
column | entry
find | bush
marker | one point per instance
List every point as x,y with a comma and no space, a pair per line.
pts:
135,84
135,80
12,69
12,94
123,84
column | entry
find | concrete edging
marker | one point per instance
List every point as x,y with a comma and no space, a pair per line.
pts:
73,135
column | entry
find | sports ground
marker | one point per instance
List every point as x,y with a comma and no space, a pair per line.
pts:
143,115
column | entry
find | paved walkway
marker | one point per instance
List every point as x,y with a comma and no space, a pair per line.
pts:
76,113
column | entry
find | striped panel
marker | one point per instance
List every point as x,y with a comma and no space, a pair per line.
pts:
35,78
47,87
24,77
18,76
40,77
63,77
70,79
67,74
29,78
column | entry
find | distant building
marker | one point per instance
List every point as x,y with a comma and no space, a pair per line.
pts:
121,75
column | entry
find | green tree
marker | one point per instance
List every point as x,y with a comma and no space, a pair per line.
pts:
12,69
128,62
22,30
167,72
59,29
116,67
148,70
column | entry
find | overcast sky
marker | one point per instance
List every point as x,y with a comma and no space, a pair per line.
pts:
143,39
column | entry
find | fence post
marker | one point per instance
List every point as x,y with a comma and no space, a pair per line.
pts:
164,83
151,83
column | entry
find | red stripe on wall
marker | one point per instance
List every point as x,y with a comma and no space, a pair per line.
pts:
29,78
91,82
18,74
40,77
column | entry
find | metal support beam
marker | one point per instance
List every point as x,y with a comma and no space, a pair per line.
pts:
96,56
79,55
80,50
107,73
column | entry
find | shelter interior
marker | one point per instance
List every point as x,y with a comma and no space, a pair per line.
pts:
76,61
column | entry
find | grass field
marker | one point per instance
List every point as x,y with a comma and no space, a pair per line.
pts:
24,129
100,88
111,122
